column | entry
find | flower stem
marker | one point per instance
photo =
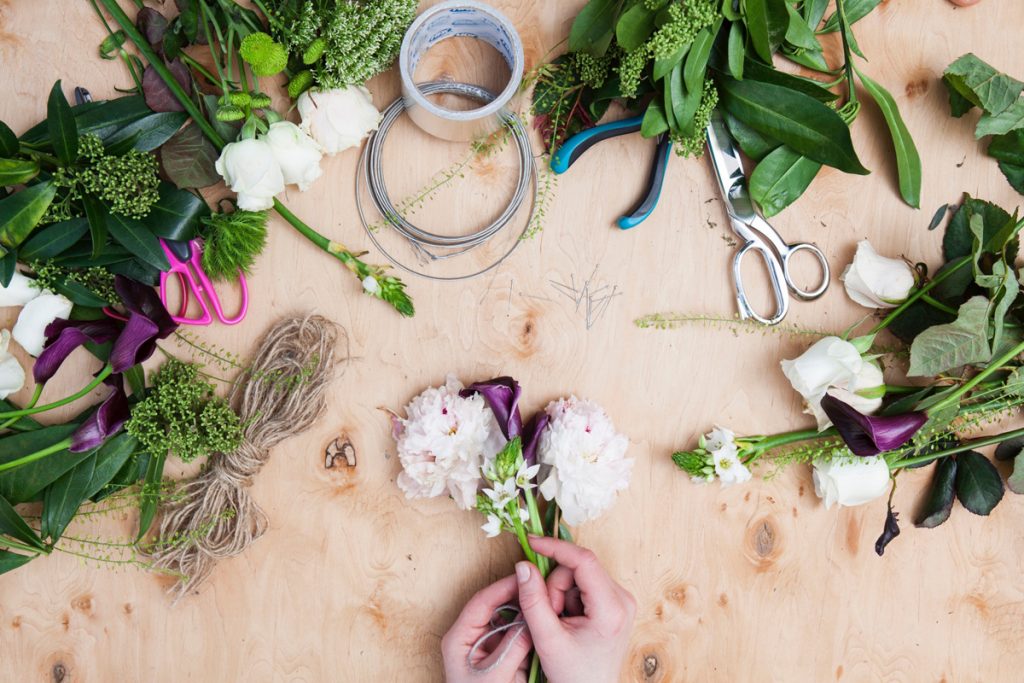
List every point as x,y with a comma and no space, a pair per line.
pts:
6,424
965,446
537,529
38,455
103,374
935,303
895,313
847,52
994,366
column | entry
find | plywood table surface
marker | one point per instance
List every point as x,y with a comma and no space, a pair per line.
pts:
755,583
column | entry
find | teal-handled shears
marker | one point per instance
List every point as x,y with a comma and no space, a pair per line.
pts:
574,147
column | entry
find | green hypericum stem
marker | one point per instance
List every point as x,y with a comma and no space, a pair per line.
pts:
896,312
6,424
962,448
336,249
103,374
993,366
38,455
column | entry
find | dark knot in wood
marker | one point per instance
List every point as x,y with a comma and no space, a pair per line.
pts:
340,449
650,665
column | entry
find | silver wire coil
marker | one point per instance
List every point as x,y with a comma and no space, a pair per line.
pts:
423,240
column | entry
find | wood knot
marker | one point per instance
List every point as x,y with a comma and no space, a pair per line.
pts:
918,87
58,673
82,604
764,539
650,665
340,453
763,543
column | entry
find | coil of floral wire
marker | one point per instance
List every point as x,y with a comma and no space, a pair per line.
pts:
371,174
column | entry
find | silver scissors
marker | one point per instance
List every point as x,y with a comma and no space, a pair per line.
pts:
754,231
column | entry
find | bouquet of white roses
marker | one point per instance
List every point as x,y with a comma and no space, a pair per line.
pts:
472,444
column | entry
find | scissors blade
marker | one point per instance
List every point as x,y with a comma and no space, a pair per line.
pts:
728,164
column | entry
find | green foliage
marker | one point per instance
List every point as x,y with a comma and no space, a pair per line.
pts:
232,241
181,415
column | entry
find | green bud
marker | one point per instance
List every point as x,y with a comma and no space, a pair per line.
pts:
315,51
239,99
259,100
300,83
230,113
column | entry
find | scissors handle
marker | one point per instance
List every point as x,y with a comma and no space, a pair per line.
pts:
776,275
196,282
655,181
571,150
815,292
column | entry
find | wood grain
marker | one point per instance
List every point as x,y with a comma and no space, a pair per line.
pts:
758,583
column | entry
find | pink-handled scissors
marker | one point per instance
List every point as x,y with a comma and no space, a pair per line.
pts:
186,265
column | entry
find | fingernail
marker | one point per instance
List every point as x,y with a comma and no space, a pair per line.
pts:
522,572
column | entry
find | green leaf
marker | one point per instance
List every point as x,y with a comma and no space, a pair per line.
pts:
1010,119
96,214
53,240
811,59
981,85
177,214
654,122
147,134
110,458
978,485
697,61
62,499
634,27
137,238
188,159
958,240
1008,150
663,67
767,22
737,50
798,33
14,526
17,171
8,141
962,342
61,125
752,143
150,493
102,118
10,561
855,11
796,119
780,178
25,424
8,264
908,161
1015,482
24,483
594,27
80,295
757,71
21,212
939,502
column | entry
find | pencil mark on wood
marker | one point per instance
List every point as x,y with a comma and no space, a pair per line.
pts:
590,300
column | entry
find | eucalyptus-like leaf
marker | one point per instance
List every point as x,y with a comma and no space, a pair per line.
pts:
594,27
978,484
635,26
10,561
21,212
138,239
147,134
63,497
61,125
22,484
762,73
767,22
737,49
908,161
798,33
150,497
8,141
17,171
780,179
855,11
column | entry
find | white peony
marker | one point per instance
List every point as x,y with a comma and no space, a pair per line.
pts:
340,118
585,458
296,153
444,442
721,446
877,281
850,481
833,363
30,329
251,170
19,291
12,375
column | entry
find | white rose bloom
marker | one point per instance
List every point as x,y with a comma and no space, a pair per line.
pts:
251,170
877,281
850,481
12,375
19,292
30,330
340,118
444,442
585,458
830,362
297,154
868,381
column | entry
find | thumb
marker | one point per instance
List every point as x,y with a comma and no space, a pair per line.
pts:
536,605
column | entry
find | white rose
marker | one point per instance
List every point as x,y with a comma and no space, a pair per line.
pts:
297,154
850,481
877,281
340,118
30,330
250,169
865,394
12,375
19,292
830,362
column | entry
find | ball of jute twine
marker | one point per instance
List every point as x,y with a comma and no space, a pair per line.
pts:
282,394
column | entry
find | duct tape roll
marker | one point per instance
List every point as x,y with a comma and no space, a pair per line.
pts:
459,19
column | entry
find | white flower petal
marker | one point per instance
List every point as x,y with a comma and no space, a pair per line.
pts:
850,481
19,291
250,169
877,281
296,153
12,375
30,330
338,119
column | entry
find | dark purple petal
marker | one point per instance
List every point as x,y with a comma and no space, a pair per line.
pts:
136,343
502,395
105,421
143,300
64,336
889,532
867,435
531,436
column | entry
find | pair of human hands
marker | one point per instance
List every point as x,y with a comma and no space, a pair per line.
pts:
579,621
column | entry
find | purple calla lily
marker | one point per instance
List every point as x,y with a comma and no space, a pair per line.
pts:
868,435
531,436
148,321
105,421
502,395
64,336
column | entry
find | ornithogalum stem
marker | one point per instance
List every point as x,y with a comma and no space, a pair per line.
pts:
103,374
38,455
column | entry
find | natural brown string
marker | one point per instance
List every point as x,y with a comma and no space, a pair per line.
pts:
282,394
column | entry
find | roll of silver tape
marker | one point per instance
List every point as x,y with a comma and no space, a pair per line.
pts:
464,19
